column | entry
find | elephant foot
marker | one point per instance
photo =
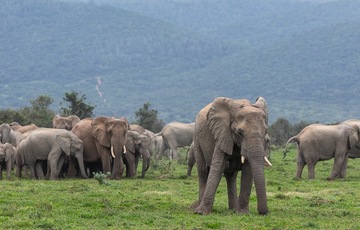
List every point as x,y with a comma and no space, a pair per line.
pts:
202,210
194,205
243,211
330,178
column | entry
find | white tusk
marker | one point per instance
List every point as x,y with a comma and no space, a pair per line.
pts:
124,149
267,161
112,152
242,159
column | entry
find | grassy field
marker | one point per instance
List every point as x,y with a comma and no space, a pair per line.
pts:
162,200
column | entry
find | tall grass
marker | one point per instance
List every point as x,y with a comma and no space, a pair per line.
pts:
161,201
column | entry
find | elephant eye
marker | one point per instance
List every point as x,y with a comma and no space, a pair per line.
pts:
240,132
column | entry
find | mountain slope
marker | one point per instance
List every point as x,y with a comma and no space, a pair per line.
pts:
302,56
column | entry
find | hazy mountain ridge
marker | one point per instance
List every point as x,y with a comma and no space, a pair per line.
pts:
304,61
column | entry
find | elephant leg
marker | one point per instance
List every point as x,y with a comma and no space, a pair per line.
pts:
300,167
245,188
71,171
215,174
340,158
189,169
53,163
0,172
130,165
105,158
344,168
9,168
174,153
202,176
163,147
31,168
311,171
39,170
61,166
231,188
18,171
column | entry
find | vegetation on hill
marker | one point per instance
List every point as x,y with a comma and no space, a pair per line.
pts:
302,56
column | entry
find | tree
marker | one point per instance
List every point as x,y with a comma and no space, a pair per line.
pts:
10,115
39,112
147,118
280,131
77,106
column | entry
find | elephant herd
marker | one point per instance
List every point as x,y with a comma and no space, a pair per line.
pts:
228,136
73,147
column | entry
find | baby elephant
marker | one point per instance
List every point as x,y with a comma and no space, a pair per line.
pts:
318,142
7,159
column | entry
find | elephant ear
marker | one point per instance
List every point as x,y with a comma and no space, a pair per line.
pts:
130,141
126,121
56,117
74,120
219,119
261,103
353,138
5,133
99,131
64,142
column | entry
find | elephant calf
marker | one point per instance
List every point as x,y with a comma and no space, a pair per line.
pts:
319,142
7,159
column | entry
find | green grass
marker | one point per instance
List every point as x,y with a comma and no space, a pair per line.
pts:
162,200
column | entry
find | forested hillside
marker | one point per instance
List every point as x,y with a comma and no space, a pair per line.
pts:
302,56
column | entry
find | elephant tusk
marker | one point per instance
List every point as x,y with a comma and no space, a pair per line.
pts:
267,161
242,159
124,149
112,152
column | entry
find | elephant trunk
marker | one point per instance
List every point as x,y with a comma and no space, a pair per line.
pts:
256,161
146,162
80,160
118,149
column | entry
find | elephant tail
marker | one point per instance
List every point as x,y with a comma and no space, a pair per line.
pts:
294,138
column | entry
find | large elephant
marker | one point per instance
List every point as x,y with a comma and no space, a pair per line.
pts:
7,159
318,142
104,140
229,136
7,135
192,160
174,135
48,145
137,146
67,123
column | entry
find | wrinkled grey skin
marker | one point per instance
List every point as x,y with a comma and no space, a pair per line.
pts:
7,135
192,160
174,135
137,146
319,142
225,131
7,159
48,144
99,136
67,123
